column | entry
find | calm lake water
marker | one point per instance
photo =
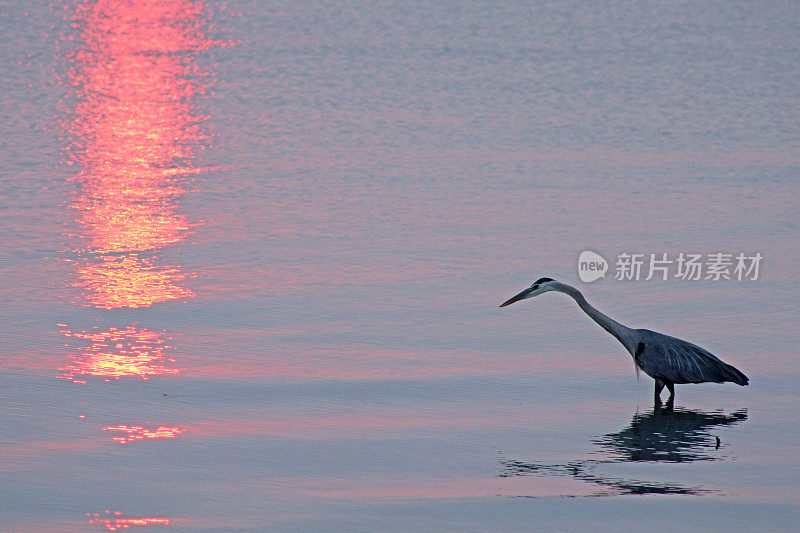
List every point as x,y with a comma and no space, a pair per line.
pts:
252,256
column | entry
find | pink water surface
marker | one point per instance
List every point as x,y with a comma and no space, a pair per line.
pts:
253,255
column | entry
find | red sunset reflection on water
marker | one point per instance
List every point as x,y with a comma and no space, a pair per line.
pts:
113,521
135,130
117,353
130,281
134,433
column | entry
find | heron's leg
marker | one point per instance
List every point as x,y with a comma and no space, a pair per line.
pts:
671,389
659,388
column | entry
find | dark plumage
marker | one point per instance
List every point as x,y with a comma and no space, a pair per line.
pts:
678,361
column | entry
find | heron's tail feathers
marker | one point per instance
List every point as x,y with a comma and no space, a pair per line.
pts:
734,376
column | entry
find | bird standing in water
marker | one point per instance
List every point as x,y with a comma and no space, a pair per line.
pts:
666,359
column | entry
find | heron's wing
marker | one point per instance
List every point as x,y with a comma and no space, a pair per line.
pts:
678,361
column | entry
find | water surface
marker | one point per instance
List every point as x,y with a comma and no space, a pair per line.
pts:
252,256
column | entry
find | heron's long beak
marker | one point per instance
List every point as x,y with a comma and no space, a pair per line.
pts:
516,298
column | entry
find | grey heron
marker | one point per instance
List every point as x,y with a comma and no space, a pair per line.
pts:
666,359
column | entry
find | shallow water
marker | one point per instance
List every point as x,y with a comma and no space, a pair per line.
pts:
252,256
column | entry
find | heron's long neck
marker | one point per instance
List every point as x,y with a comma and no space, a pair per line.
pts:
622,333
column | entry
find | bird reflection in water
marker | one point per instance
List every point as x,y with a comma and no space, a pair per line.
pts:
661,435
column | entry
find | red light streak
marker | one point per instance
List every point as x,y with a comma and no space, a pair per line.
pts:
117,353
130,281
112,522
136,132
133,433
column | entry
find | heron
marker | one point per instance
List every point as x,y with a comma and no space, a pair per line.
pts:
668,360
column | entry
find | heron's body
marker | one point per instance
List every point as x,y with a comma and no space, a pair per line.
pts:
668,360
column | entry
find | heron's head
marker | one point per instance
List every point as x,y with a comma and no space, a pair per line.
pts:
539,286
